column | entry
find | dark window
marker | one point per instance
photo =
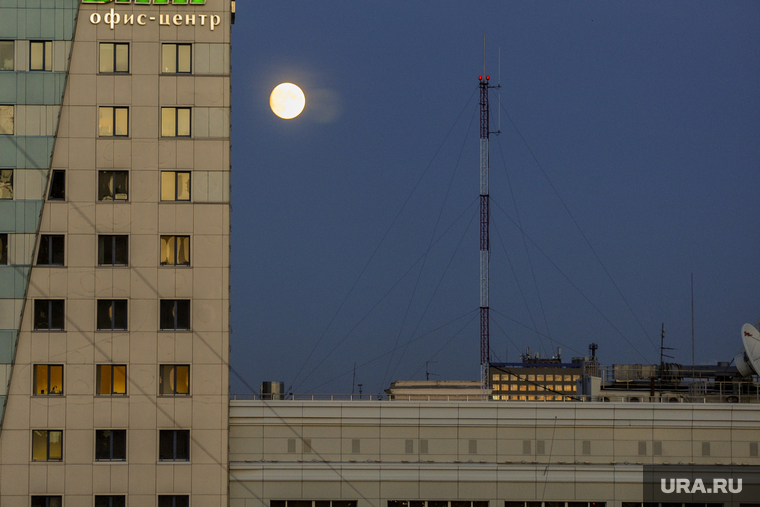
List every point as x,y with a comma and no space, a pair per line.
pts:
47,445
113,250
51,251
6,183
111,379
6,55
49,314
176,58
48,379
111,445
110,501
114,57
112,314
41,55
113,121
58,186
175,250
174,379
173,501
174,445
175,122
175,314
46,501
175,186
113,185
3,249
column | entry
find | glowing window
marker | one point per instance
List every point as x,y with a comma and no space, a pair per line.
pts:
176,58
114,57
41,55
113,121
48,379
6,183
175,122
174,379
175,250
111,379
47,445
175,186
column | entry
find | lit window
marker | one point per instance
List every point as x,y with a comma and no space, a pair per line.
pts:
3,249
539,378
523,388
531,378
175,121
6,55
175,186
173,501
112,315
568,378
175,314
174,445
114,57
46,501
51,251
57,186
48,379
113,121
531,388
550,378
174,379
47,445
6,120
110,501
496,378
6,183
113,250
111,445
49,314
41,55
113,185
112,379
175,59
175,250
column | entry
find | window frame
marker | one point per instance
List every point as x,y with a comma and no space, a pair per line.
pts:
174,435
176,52
111,444
113,57
177,109
47,436
114,110
161,309
47,370
99,376
47,501
10,184
173,502
113,183
175,238
169,371
13,55
177,186
50,311
102,239
110,502
47,54
50,243
13,119
123,305
57,176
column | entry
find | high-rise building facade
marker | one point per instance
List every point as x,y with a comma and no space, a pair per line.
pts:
114,252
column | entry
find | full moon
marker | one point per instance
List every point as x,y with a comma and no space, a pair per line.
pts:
287,101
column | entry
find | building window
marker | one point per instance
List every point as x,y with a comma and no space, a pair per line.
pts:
3,249
527,447
173,501
6,120
175,121
51,251
341,503
356,446
111,445
47,445
6,55
113,121
41,55
174,379
46,501
176,58
110,501
112,314
175,314
111,379
174,445
705,448
113,250
175,186
657,447
291,445
113,185
114,57
48,379
642,448
753,449
409,446
6,183
49,314
175,250
57,186
586,447
307,449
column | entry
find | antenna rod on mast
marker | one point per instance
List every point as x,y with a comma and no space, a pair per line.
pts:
485,247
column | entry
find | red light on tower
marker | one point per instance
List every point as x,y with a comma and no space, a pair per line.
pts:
480,77
488,77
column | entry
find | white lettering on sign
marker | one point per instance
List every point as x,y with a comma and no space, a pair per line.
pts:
113,18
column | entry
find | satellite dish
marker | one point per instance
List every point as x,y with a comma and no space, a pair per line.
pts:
748,360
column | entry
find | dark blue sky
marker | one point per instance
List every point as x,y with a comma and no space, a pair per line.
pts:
637,123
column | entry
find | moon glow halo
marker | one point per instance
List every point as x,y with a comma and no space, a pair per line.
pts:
287,101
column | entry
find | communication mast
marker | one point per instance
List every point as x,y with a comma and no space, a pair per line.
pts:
485,245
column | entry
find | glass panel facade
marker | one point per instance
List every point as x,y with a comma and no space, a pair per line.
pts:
6,55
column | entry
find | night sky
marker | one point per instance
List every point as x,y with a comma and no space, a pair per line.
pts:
627,162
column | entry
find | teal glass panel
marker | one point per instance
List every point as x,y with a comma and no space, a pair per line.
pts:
13,281
7,215
32,23
8,88
9,22
7,152
7,345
